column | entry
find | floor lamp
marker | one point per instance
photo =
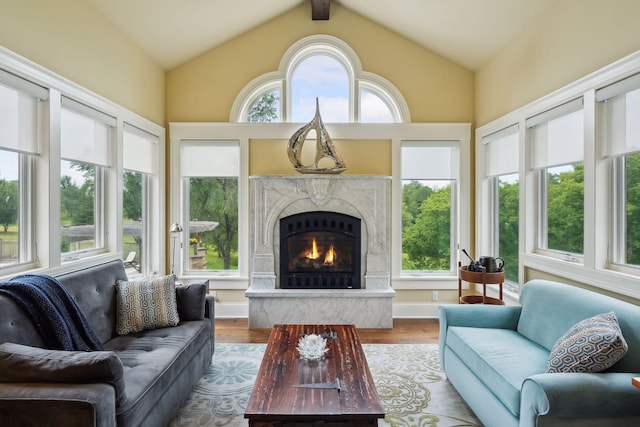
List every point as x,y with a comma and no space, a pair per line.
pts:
175,229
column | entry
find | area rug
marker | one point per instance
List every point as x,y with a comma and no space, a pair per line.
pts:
413,389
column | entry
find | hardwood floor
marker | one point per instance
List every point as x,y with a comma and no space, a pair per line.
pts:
405,331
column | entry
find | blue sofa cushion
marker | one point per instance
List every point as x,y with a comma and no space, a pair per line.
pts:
591,345
501,358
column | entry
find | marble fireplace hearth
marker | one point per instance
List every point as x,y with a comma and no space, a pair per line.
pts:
366,197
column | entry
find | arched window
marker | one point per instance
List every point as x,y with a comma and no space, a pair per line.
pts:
326,68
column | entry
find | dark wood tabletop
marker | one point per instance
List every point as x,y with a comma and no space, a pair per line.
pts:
277,398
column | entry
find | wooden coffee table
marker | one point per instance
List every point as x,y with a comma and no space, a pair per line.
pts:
349,399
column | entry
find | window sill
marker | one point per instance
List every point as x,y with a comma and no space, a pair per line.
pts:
609,280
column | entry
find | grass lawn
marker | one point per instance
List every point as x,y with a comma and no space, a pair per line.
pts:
214,262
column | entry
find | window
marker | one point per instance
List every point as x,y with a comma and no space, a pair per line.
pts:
64,174
326,68
140,163
266,108
622,145
557,137
502,157
85,136
210,173
19,118
429,194
325,78
373,108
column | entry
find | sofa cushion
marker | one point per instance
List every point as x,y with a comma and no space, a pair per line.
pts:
154,360
146,304
591,345
191,301
21,363
501,358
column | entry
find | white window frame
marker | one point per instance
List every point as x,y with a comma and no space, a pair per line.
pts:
454,212
26,150
150,168
594,269
188,134
487,240
44,207
320,45
396,133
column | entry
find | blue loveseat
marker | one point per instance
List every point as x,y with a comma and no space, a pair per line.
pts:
496,356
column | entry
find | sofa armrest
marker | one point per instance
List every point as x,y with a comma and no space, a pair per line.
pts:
210,311
49,404
480,315
578,396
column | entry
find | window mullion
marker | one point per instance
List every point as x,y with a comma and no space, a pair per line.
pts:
542,209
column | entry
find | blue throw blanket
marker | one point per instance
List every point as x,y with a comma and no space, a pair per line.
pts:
53,311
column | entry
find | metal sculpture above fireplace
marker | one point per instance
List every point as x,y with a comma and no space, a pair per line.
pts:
324,148
320,250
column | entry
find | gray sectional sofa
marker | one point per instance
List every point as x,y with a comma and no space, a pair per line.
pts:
139,379
498,358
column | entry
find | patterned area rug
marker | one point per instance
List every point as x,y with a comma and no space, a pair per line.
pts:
413,389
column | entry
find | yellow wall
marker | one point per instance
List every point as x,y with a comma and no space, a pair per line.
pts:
573,39
204,89
70,38
435,89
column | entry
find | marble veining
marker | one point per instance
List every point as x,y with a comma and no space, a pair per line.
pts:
364,196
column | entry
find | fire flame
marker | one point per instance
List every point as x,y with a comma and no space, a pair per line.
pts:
330,257
313,254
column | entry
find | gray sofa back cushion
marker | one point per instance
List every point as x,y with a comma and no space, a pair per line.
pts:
94,289
549,309
16,326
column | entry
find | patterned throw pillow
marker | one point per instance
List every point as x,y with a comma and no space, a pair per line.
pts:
592,345
146,304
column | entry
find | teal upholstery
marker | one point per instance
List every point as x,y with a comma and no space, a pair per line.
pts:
495,357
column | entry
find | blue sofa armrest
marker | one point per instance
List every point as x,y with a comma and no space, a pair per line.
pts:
608,395
479,316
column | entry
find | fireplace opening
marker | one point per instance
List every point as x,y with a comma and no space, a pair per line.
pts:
320,250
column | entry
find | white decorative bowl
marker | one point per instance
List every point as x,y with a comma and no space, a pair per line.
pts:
312,347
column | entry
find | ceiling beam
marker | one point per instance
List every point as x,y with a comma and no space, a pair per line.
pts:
320,10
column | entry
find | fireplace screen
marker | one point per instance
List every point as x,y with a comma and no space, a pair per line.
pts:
320,250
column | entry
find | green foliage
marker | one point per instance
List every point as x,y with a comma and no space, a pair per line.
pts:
426,237
216,199
77,203
508,231
8,203
565,210
132,196
633,209
413,194
265,109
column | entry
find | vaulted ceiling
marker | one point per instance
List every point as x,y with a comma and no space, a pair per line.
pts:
467,32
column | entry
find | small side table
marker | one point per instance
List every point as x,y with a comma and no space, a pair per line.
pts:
635,381
480,278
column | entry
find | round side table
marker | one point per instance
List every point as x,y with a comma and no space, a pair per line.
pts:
479,278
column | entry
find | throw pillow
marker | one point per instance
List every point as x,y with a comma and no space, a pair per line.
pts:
592,345
191,301
24,364
146,304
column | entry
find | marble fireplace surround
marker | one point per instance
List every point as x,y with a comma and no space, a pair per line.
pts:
363,196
